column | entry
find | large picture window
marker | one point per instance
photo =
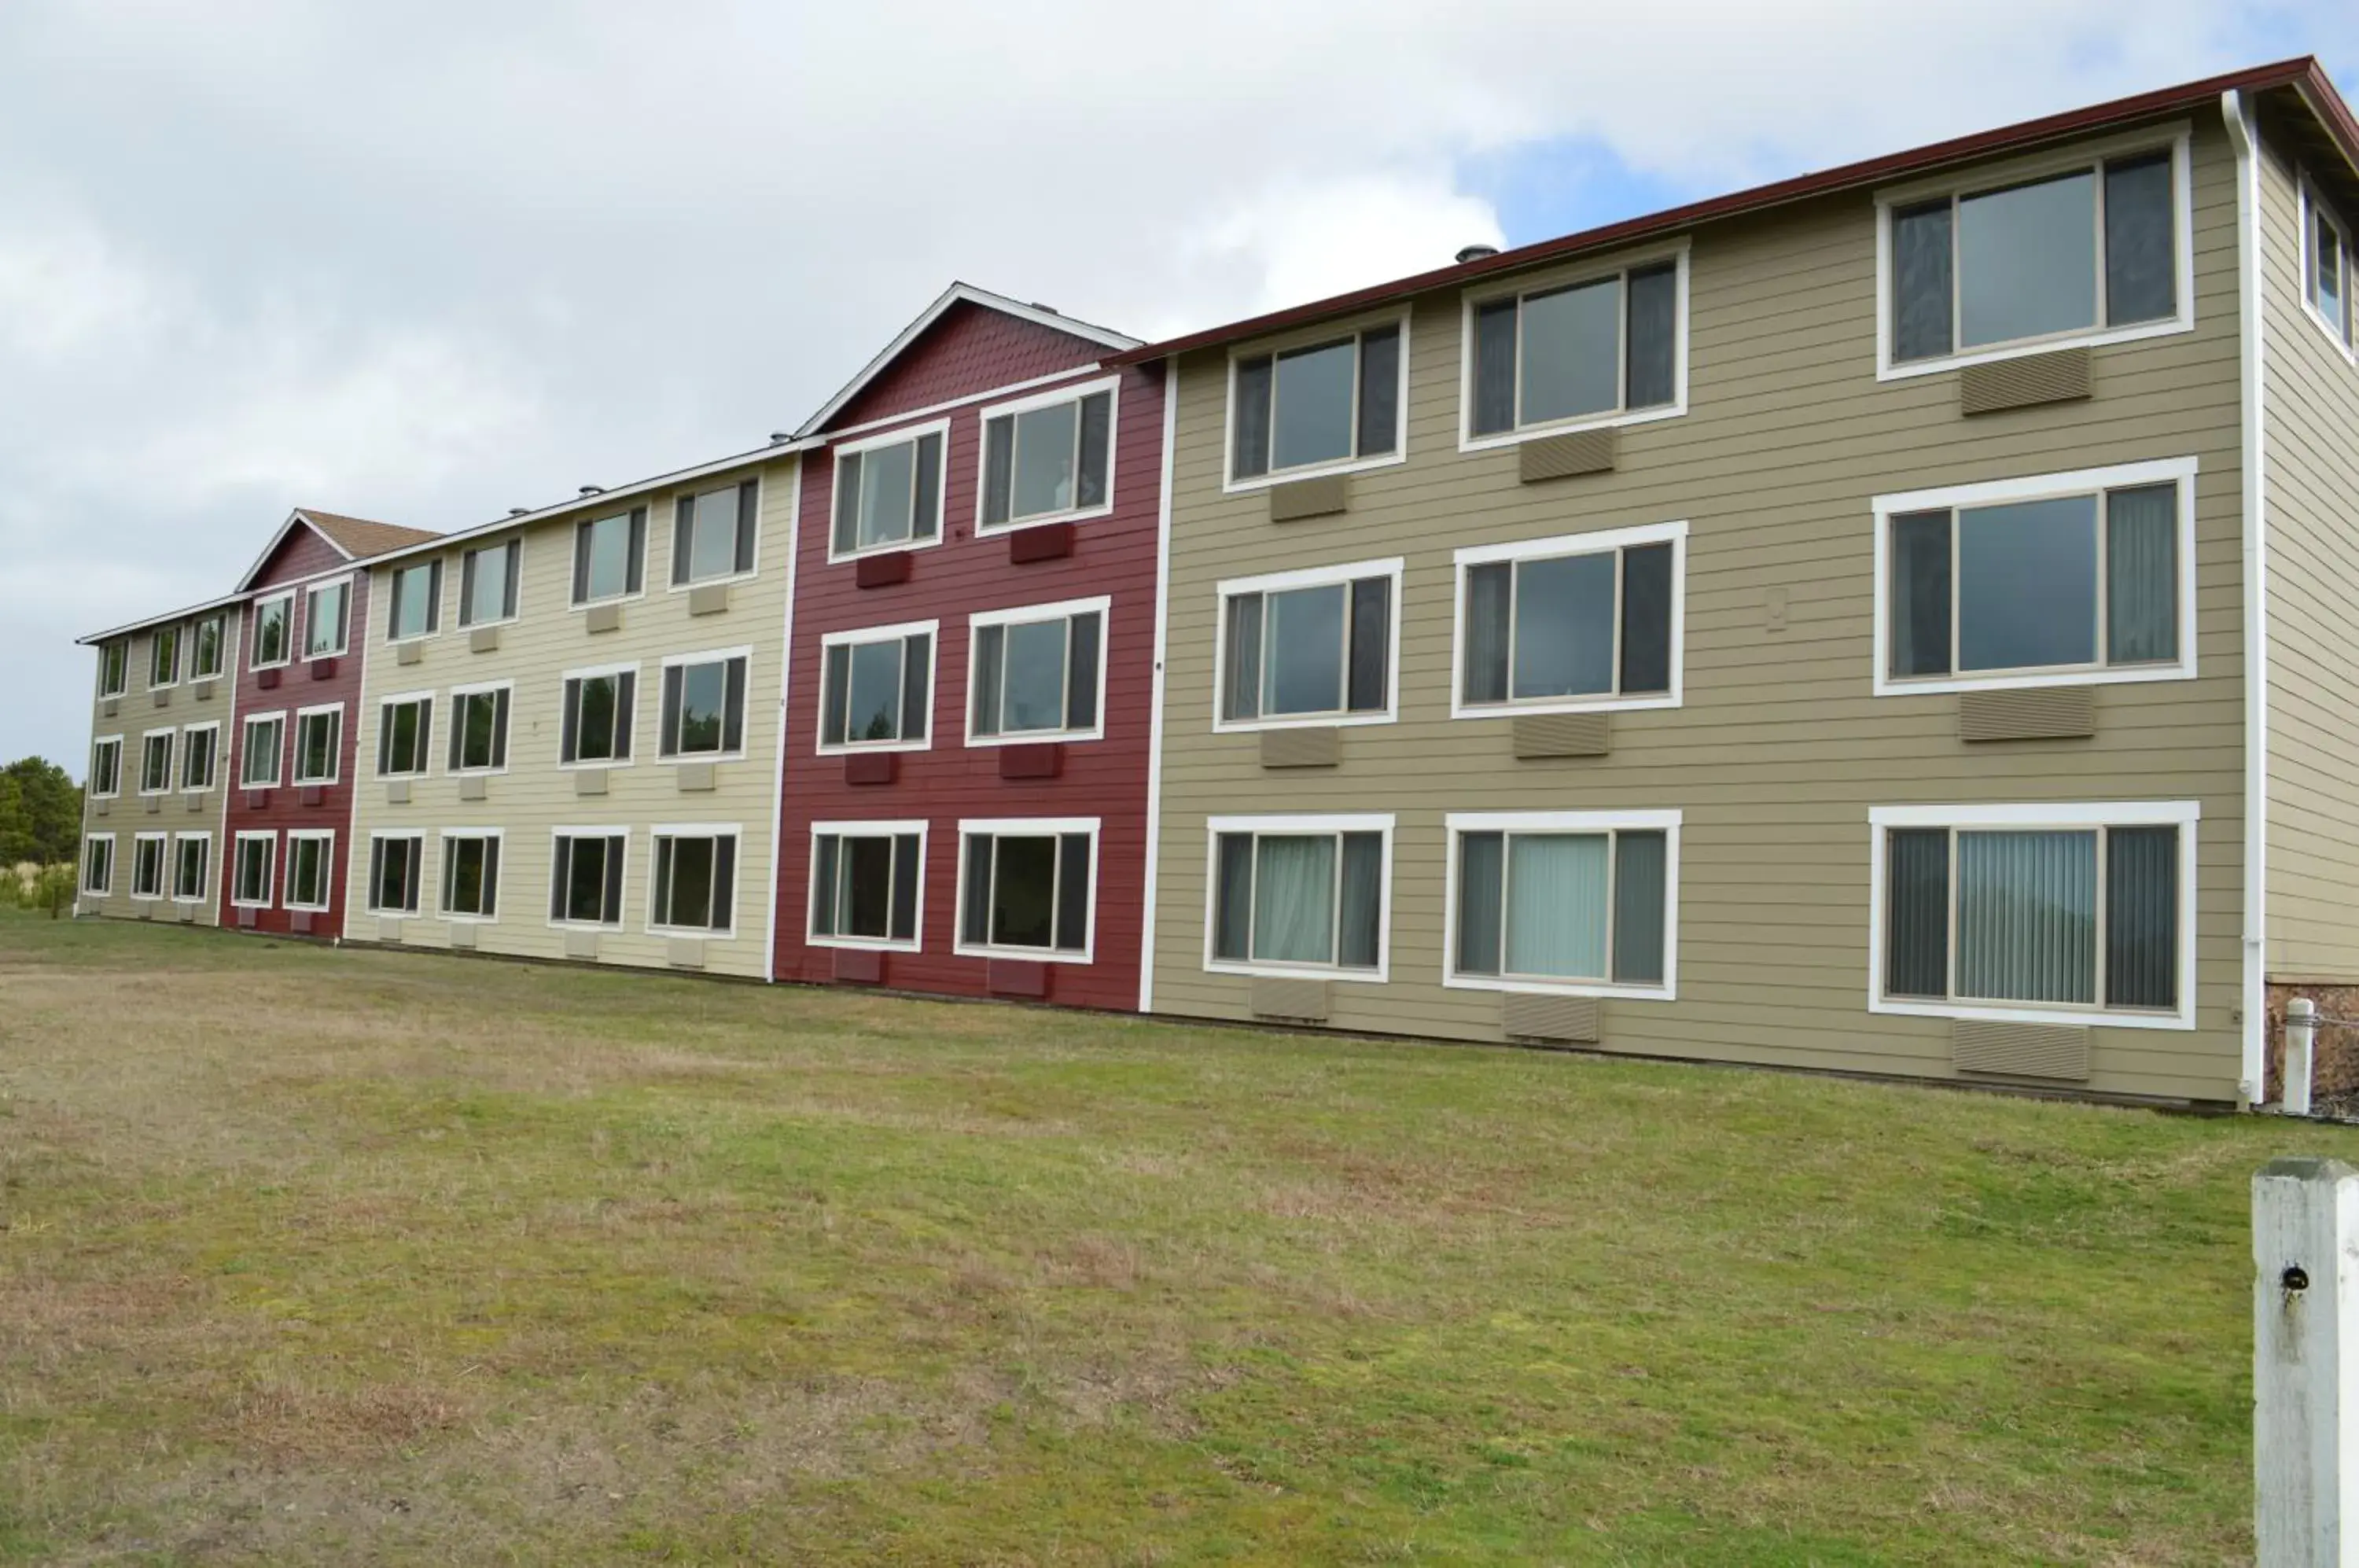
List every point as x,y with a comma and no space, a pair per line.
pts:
415,601
1299,895
601,710
1577,901
319,744
585,884
404,736
479,728
609,556
2061,913
1325,404
704,705
1587,352
487,583
1026,887
695,880
876,686
1048,457
1036,672
867,884
713,533
1571,624
327,610
251,869
2063,578
888,492
1308,646
310,868
471,874
2075,253
396,863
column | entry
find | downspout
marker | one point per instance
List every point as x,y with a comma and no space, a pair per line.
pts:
2252,1009
1155,722
786,672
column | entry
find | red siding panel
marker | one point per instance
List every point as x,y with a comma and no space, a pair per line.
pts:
972,352
302,553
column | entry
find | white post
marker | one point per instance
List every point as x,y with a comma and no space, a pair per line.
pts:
2306,1364
2302,1043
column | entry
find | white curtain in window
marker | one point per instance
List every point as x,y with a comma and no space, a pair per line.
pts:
2028,916
1556,905
1294,901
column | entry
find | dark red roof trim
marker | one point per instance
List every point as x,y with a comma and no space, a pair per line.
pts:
2304,73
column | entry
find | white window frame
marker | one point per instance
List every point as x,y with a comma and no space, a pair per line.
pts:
722,656
1666,823
172,758
295,749
910,434
254,631
430,565
482,688
97,745
1028,827
671,566
609,832
902,629
662,830
594,512
377,742
460,607
181,765
442,870
1955,498
1308,577
268,839
2065,816
179,631
123,682
312,591
163,841
1307,337
228,653
1110,385
81,872
1303,824
2311,209
2089,155
630,721
1674,251
886,829
205,883
1063,609
326,837
369,891
1609,540
245,747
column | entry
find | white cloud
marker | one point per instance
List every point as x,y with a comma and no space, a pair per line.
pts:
425,261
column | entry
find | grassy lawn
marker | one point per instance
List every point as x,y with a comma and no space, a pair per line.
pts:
349,1257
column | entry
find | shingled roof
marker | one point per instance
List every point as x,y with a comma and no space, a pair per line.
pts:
359,538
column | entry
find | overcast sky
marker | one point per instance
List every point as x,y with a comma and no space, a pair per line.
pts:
425,261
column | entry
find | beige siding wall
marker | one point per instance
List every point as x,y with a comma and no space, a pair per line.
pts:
1780,748
2312,409
535,795
140,710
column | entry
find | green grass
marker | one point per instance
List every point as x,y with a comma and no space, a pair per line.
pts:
354,1257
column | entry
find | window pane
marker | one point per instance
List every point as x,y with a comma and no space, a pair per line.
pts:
988,641
691,893
1921,291
867,887
1081,673
1034,680
1294,899
2142,916
1243,699
1371,644
1646,618
905,887
478,715
594,729
1641,873
2141,263
2027,260
409,601
1379,390
610,557
585,882
1362,915
487,598
974,913
703,692
1564,625
1232,899
713,547
2326,286
887,475
1482,862
1303,672
1023,893
325,631
1073,893
2028,916
1044,459
1494,368
1916,913
465,891
1654,337
2027,584
1251,457
1920,593
1487,592
1571,360
2142,574
1097,438
1556,905
875,701
824,885
1313,416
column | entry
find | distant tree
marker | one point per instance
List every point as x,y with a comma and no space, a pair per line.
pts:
40,813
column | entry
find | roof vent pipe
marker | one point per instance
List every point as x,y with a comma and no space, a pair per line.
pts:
1476,252
593,489
780,438
519,511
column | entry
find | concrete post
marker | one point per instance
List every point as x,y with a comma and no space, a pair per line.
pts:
2306,1364
2300,1054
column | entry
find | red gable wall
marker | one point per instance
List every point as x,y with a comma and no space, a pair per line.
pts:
969,350
302,553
